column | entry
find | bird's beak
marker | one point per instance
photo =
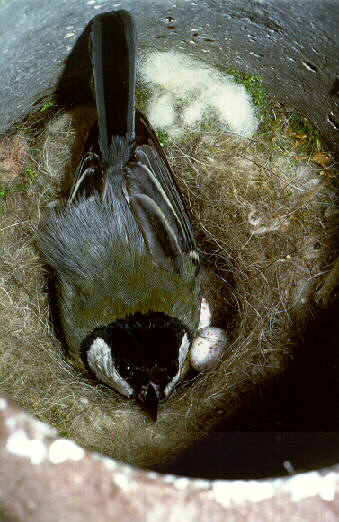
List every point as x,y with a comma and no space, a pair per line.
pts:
149,396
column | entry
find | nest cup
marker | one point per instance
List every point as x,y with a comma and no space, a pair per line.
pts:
265,219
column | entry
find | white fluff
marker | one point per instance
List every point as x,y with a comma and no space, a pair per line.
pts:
192,113
160,110
185,90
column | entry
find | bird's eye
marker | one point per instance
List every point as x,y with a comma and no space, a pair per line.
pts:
124,369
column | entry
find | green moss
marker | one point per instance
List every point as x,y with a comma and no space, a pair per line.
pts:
306,132
253,84
46,106
288,133
5,192
31,174
163,137
300,133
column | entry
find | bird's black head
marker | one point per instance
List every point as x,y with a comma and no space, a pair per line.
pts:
147,352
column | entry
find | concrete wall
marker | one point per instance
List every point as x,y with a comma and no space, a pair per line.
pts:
292,45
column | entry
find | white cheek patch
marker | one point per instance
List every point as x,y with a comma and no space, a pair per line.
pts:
183,351
205,314
100,361
207,348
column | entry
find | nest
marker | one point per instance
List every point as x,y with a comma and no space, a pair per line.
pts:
266,224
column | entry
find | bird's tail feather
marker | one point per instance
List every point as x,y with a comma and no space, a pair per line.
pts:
113,52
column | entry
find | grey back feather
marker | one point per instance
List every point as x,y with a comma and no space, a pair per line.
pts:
77,239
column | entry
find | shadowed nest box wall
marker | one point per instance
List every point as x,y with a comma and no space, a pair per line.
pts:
281,342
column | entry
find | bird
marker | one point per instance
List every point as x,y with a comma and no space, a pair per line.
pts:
126,268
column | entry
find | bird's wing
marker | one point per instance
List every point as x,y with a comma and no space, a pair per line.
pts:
157,204
89,176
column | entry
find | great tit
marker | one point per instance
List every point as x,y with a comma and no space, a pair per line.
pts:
126,265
